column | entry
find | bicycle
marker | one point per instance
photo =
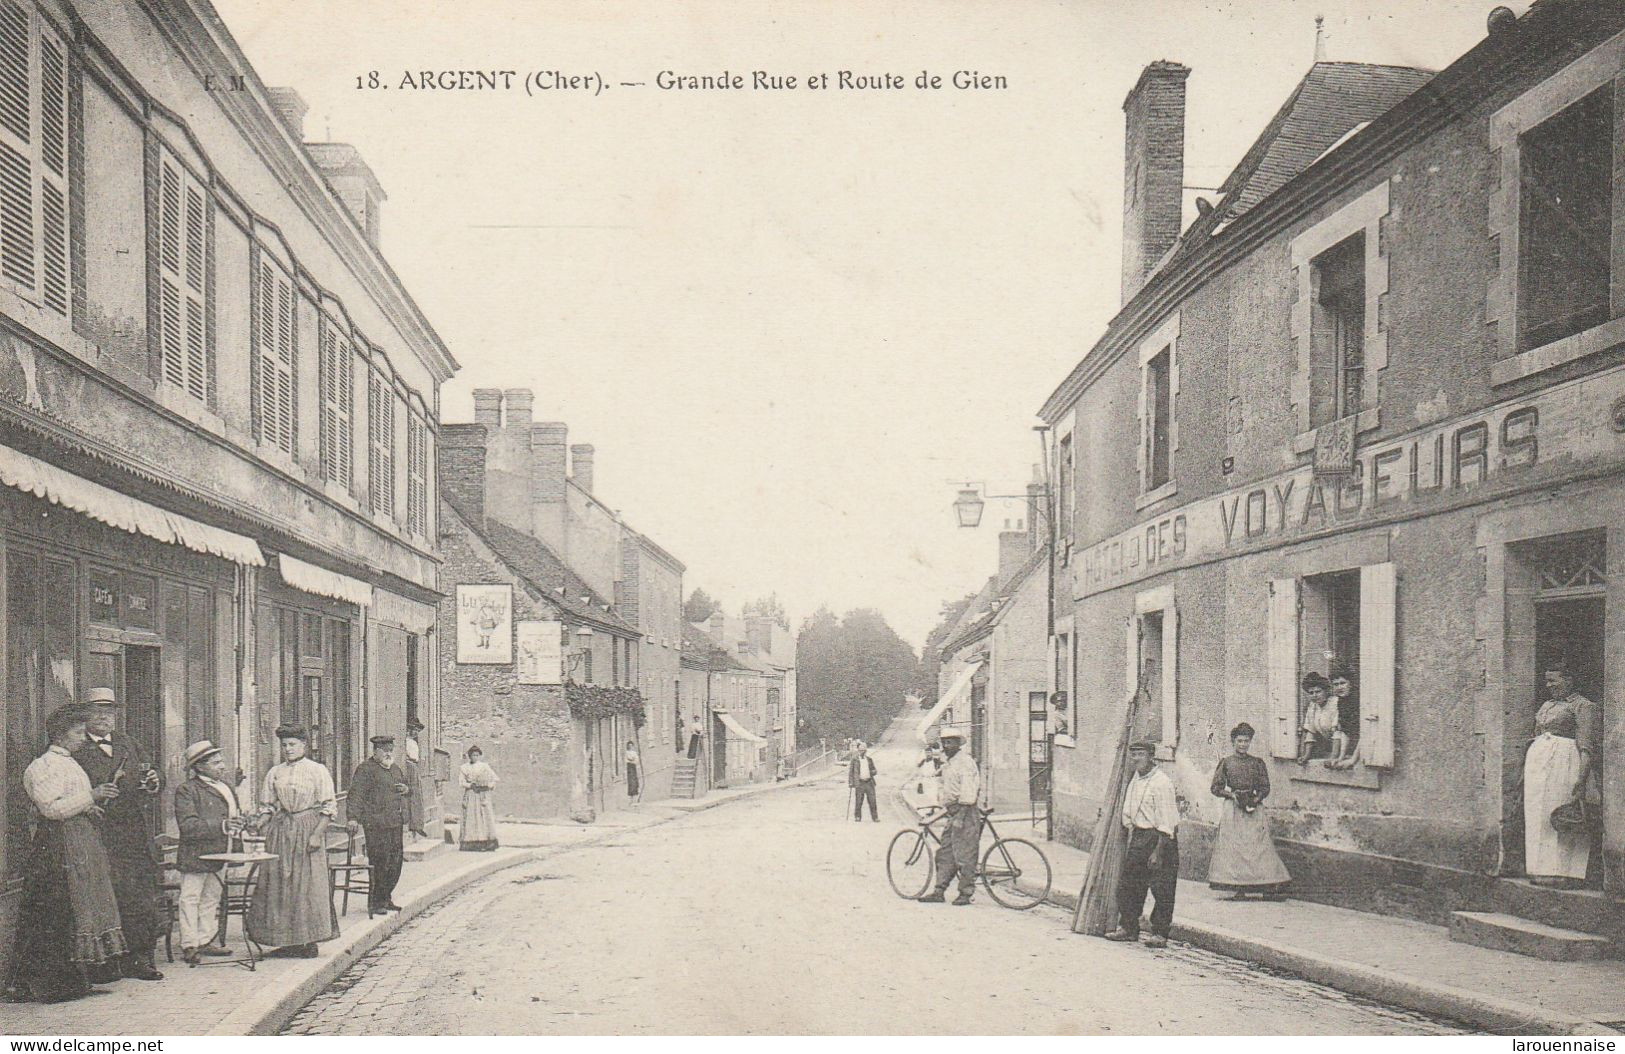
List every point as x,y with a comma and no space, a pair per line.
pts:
1014,871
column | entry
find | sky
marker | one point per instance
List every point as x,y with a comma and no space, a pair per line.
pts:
792,322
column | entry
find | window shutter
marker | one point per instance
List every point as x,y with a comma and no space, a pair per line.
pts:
16,150
327,400
169,273
1282,666
54,172
197,356
1132,663
1377,610
284,365
1170,676
344,363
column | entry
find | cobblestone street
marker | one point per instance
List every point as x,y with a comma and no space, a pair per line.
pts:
773,916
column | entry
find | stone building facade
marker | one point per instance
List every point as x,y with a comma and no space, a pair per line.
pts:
218,410
1365,411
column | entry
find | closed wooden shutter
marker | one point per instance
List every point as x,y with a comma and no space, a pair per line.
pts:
17,244
1170,676
1132,663
336,368
416,468
53,172
381,445
276,348
1281,669
1378,591
169,273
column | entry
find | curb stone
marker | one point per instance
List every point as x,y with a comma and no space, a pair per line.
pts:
269,1010
1458,1004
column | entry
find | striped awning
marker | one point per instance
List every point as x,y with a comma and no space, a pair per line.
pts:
33,476
736,729
959,689
322,582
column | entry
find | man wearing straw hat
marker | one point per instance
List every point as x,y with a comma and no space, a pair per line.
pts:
207,816
961,784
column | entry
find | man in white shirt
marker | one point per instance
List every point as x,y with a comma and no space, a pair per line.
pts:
962,836
1151,815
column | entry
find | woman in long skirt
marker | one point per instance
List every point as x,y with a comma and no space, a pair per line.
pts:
69,918
634,773
1557,770
292,906
1244,858
478,831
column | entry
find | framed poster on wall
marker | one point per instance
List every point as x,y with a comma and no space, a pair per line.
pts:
485,624
541,651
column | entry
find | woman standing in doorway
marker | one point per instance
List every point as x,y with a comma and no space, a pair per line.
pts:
478,831
1244,858
694,737
1556,772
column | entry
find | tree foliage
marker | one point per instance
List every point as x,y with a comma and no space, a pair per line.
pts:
851,675
699,606
768,606
930,660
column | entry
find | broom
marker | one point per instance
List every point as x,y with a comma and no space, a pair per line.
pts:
1097,901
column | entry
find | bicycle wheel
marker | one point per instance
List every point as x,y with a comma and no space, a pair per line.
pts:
909,863
1016,873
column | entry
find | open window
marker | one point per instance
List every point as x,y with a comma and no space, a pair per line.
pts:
1153,651
1158,435
1335,622
1565,220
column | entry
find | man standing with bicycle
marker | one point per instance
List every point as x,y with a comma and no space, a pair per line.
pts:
963,835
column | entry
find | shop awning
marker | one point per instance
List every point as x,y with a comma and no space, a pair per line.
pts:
958,690
33,476
322,582
737,729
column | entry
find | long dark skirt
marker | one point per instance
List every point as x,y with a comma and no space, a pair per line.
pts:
632,788
694,745
54,940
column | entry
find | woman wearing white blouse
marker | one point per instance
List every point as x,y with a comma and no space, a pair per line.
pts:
69,917
292,907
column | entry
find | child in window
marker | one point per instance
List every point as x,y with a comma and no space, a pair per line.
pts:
1348,718
1321,734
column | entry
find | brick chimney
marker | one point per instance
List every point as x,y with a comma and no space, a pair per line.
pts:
549,459
516,404
352,180
1153,170
717,626
1014,549
290,108
759,631
581,465
461,469
488,407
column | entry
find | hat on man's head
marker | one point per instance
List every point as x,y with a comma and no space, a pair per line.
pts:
383,741
414,725
201,751
292,732
101,697
1143,745
951,733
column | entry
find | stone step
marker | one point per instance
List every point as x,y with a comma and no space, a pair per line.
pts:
1587,910
1509,933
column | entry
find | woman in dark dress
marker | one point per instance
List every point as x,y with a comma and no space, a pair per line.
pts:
1244,858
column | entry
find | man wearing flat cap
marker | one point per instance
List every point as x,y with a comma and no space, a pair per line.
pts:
113,760
206,815
378,802
1151,816
961,784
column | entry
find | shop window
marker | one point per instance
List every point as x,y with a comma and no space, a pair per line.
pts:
1337,341
336,377
41,644
1565,217
1338,624
34,129
1153,647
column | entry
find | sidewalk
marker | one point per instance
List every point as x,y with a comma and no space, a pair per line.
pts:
1387,960
229,1000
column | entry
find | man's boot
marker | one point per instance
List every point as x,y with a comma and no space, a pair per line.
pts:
961,900
933,897
139,965
1121,934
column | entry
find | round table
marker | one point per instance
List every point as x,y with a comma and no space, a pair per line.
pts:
253,861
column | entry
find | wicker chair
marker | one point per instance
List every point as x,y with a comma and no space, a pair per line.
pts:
170,887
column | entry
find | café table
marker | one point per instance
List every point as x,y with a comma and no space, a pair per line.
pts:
252,861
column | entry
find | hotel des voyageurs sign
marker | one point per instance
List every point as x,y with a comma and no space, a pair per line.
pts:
1575,421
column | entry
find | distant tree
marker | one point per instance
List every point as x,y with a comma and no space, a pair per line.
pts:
699,606
768,606
930,659
851,674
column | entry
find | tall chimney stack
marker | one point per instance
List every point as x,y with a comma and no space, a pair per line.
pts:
353,181
549,460
488,407
581,465
516,404
1015,547
1153,170
290,108
461,469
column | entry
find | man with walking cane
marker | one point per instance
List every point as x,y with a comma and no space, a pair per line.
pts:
860,776
963,836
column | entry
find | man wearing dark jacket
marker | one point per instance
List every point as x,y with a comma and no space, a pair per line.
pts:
378,802
111,757
860,776
207,815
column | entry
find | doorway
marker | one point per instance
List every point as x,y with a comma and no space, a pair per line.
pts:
134,673
1570,629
